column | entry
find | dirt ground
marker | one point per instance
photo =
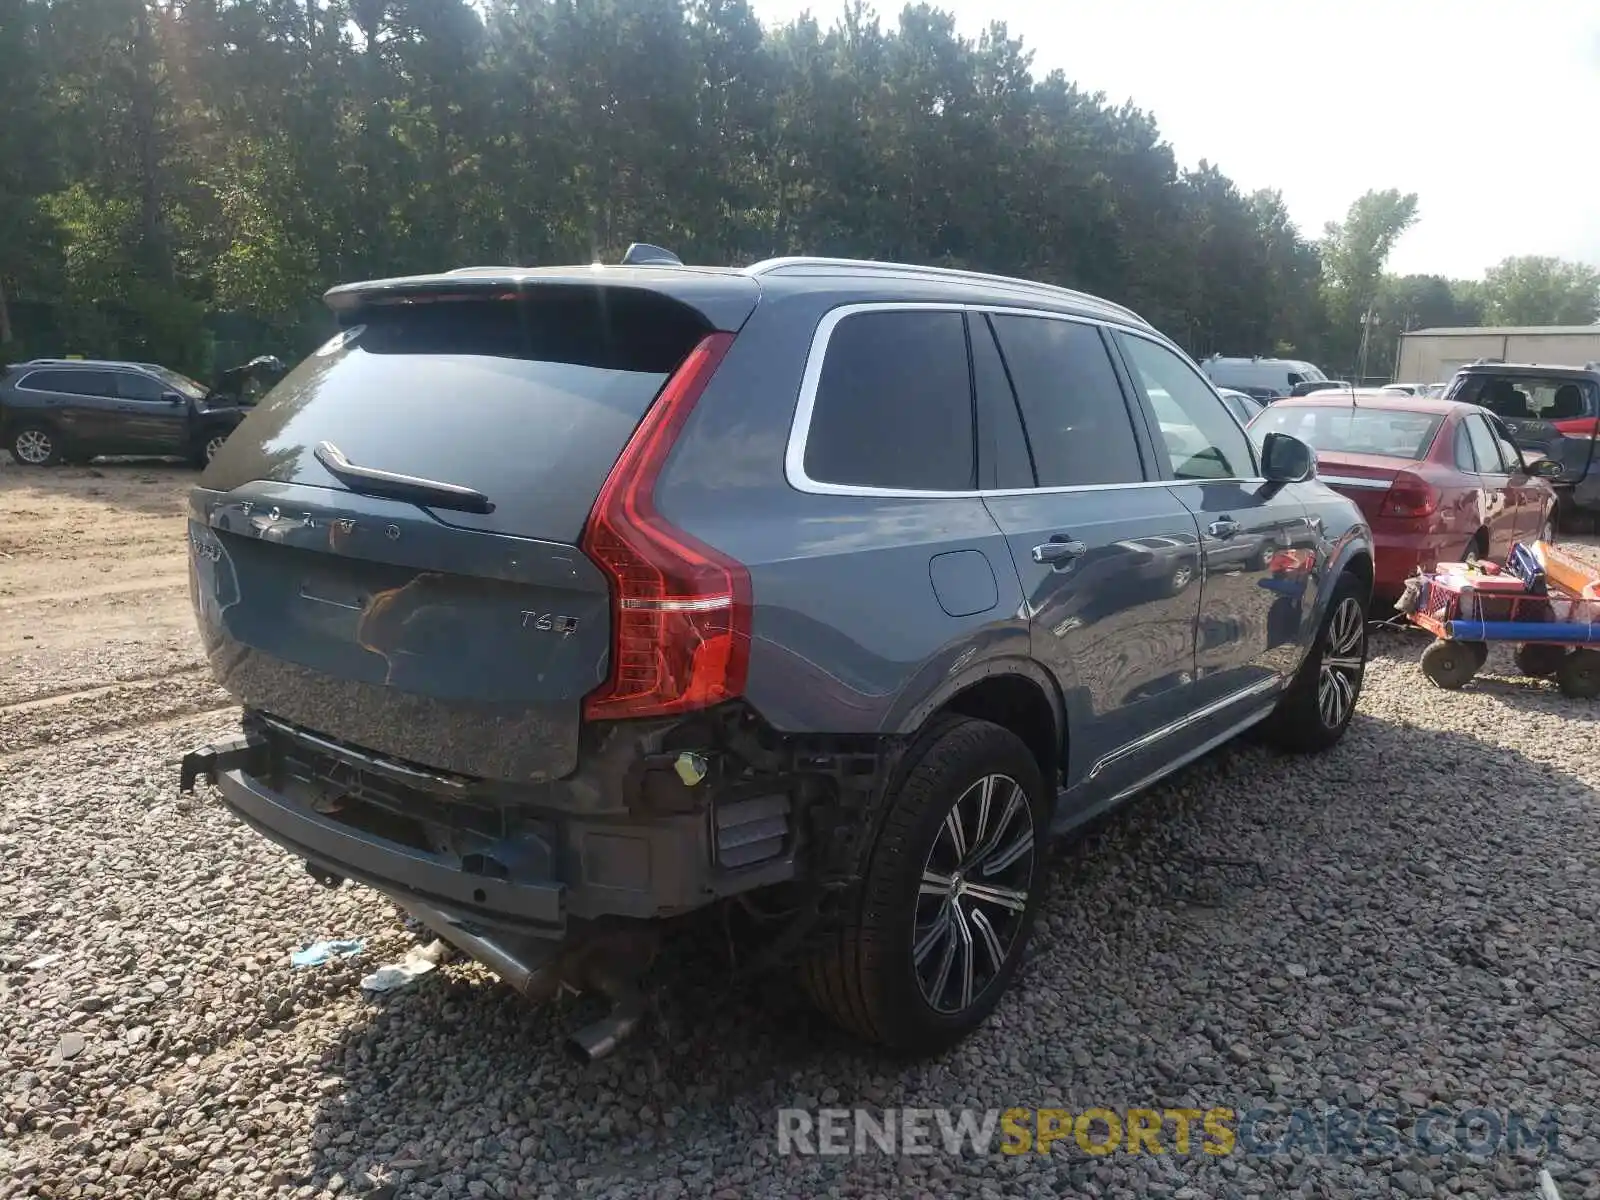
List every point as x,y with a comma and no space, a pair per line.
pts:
95,623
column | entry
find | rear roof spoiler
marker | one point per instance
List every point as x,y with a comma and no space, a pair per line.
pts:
724,299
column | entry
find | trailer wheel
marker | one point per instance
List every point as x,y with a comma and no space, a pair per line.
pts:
1540,660
1479,652
1449,664
1579,675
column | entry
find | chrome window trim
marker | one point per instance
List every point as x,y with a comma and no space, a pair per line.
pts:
794,456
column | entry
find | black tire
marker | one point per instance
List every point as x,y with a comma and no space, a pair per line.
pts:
1317,707
1579,675
210,441
34,445
1479,652
1540,660
865,976
1449,664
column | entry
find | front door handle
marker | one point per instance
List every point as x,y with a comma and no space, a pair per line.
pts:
1059,550
1223,527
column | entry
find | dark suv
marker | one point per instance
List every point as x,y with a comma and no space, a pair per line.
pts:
72,409
564,601
1551,412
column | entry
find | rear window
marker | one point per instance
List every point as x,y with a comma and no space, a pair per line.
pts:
528,399
893,407
1515,398
1343,429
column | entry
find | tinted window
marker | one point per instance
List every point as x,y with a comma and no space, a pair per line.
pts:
1004,460
1483,446
137,387
1521,398
1201,439
894,404
1075,418
77,383
528,400
1345,429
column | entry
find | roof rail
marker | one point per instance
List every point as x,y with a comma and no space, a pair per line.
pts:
776,266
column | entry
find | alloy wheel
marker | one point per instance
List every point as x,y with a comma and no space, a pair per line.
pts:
974,893
33,446
213,445
1343,662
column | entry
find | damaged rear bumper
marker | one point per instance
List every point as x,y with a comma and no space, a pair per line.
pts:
238,768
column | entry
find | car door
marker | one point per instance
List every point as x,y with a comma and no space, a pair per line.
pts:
1107,556
147,421
1524,493
74,400
1250,620
1497,509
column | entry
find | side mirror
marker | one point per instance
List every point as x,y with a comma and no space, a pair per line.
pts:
1544,468
1286,459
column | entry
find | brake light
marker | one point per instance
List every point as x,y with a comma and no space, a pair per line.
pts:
1577,427
1409,496
680,611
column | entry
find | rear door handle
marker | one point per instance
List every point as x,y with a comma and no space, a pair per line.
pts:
1223,527
1059,549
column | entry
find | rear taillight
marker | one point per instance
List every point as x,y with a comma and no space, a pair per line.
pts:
680,611
1409,496
1577,427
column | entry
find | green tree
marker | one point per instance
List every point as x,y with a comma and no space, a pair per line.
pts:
1533,290
1353,255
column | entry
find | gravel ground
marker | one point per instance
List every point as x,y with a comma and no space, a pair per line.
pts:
1420,928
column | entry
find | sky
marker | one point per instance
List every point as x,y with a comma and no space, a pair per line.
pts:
1486,109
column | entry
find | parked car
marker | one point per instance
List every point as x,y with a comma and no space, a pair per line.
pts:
1437,481
1263,378
835,586
1244,407
71,410
1550,412
1308,386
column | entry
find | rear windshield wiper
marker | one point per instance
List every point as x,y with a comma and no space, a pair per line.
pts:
374,482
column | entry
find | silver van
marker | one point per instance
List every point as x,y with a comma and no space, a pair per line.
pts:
1263,378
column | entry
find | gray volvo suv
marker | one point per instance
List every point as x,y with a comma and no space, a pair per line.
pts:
562,602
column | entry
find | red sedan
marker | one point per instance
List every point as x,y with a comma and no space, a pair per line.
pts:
1437,480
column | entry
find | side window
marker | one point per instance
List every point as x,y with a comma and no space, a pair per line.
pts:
75,383
137,387
1483,446
1201,439
1004,460
1077,423
1509,454
1464,459
894,404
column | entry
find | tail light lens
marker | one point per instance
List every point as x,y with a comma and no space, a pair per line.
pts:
1577,427
680,611
1410,496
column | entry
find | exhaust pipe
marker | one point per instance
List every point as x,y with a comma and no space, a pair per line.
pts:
528,967
598,1039
536,967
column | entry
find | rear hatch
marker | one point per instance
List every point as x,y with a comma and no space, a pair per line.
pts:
386,551
1548,416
